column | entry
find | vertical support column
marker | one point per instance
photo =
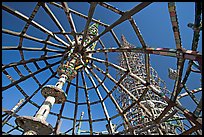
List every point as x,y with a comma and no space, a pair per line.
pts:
73,61
54,95
37,125
45,108
79,127
61,81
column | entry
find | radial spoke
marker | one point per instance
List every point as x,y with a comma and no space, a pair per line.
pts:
52,16
88,104
101,101
137,31
177,85
123,53
124,17
71,22
17,86
158,92
90,15
175,26
109,63
124,89
186,54
32,38
110,7
197,23
76,103
111,97
132,97
147,64
35,24
100,98
30,49
180,62
28,76
80,14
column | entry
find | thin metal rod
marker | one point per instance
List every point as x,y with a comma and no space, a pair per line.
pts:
76,103
35,24
124,17
10,32
90,15
189,131
192,92
111,97
80,14
31,49
177,84
117,84
12,80
111,8
125,90
193,97
108,63
175,24
28,76
101,101
138,33
198,109
52,16
88,103
186,54
71,22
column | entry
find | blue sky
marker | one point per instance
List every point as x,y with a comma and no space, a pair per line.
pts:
154,24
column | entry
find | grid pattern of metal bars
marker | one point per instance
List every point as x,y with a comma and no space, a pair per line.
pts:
144,78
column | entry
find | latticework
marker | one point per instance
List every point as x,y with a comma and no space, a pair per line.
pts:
102,86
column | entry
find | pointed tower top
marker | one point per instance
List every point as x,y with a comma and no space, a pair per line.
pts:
123,38
124,42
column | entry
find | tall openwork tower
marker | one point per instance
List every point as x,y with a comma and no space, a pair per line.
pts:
153,104
66,72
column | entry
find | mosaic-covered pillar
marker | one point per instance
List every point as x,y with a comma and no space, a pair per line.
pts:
53,94
45,108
